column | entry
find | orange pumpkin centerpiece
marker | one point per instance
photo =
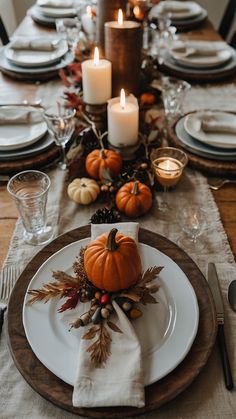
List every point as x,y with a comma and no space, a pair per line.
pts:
99,160
134,199
112,261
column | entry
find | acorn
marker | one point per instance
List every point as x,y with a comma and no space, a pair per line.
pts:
96,317
85,318
97,295
135,313
105,313
126,306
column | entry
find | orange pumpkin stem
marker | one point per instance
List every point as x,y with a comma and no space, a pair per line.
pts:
111,240
102,153
135,190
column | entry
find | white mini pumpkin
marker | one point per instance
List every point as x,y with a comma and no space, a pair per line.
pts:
83,191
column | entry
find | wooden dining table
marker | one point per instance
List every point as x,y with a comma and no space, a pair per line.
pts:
16,91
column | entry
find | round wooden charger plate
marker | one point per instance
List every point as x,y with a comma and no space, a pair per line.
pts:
34,162
208,166
157,394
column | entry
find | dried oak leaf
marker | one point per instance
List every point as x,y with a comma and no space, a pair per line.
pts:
149,275
71,301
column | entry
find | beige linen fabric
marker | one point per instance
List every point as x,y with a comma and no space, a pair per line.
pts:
207,396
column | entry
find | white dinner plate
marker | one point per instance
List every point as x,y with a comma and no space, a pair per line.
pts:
193,126
173,8
32,58
19,135
59,12
204,60
166,330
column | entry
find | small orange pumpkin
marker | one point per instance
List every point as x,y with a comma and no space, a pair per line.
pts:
134,199
99,160
112,261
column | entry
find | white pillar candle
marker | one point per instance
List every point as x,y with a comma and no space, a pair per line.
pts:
96,78
123,120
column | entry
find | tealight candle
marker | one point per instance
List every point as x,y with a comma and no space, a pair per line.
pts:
123,120
96,75
123,46
168,170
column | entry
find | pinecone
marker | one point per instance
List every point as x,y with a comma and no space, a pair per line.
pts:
89,141
105,215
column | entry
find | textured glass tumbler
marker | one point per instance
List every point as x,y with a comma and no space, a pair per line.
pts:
29,189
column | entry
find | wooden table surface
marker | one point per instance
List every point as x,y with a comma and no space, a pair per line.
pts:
17,91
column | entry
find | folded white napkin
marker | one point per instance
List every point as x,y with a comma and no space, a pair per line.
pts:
34,44
174,6
194,52
120,381
63,4
130,229
213,125
19,116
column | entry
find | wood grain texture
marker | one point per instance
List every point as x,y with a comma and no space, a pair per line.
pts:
157,394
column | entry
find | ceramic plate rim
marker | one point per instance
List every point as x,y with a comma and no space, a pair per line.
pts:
184,15
152,375
42,126
205,137
198,148
187,62
58,54
58,13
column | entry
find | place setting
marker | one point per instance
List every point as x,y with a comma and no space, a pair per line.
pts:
46,12
36,58
183,15
199,60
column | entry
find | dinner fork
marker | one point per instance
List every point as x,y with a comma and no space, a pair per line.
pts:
8,278
217,184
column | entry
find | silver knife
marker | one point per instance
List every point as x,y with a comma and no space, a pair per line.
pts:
213,282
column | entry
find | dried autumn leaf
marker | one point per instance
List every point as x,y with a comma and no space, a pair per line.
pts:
70,303
150,274
113,327
47,292
131,295
148,299
91,333
100,349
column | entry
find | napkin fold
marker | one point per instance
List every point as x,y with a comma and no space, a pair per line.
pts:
213,125
34,44
63,4
120,381
130,229
13,116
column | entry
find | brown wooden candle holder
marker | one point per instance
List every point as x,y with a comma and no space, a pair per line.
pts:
97,114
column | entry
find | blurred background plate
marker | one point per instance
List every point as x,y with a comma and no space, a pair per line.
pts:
40,146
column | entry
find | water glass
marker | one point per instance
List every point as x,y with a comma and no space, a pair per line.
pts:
173,93
69,29
29,189
61,123
192,220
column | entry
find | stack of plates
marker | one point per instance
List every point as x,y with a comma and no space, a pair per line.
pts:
182,15
23,133
34,61
200,60
45,12
210,134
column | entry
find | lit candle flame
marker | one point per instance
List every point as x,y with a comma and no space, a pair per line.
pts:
120,17
89,11
122,98
96,56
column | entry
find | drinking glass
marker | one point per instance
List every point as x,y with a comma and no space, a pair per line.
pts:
173,93
61,123
29,189
69,29
192,220
168,164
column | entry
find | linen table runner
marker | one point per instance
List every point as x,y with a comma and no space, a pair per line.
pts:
207,396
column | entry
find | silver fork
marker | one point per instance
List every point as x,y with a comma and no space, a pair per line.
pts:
8,278
217,184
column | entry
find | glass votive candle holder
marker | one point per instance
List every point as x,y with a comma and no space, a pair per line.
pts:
168,164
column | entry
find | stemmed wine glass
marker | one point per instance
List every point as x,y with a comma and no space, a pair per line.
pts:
168,164
192,220
61,123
